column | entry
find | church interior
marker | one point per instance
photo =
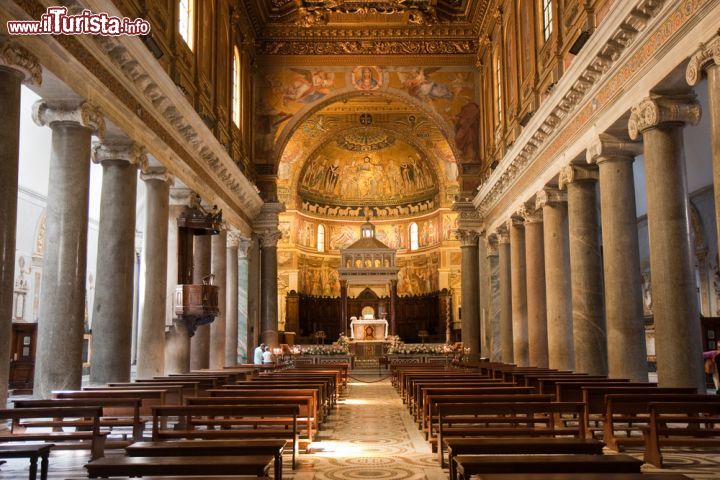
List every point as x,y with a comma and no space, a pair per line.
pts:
352,239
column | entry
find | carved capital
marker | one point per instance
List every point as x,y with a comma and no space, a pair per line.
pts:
16,57
233,238
516,220
577,173
503,235
244,246
606,147
707,55
657,110
550,196
531,213
467,238
267,219
181,196
84,114
269,238
161,174
469,217
491,245
120,151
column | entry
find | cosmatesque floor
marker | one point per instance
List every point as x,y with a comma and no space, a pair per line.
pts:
369,436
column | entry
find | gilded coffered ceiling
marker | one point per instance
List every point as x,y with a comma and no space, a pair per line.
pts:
366,27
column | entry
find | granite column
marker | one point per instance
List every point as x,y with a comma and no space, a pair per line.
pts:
537,306
470,289
218,328
518,275
505,276
231,300
202,267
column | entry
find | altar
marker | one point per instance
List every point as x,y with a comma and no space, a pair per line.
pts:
368,329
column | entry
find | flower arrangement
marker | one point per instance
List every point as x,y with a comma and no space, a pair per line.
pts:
401,348
323,350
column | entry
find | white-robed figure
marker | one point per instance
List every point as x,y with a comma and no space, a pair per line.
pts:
258,354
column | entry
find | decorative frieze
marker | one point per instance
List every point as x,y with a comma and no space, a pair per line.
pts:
86,114
656,110
367,47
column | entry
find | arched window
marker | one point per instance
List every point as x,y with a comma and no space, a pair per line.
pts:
321,238
236,86
413,236
186,21
547,18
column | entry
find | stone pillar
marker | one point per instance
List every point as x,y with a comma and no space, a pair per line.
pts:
151,349
589,334
484,297
469,290
537,306
266,228
17,65
557,274
659,120
112,315
707,60
253,322
491,249
243,345
177,339
217,327
505,277
231,300
58,364
393,309
518,274
202,267
343,307
626,352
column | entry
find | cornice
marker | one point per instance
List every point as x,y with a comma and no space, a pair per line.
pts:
455,46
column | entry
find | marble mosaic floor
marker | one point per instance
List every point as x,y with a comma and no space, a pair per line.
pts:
370,436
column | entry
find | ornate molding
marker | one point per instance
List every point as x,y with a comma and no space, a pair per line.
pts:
550,196
606,147
119,151
367,47
85,114
577,173
161,174
16,57
656,110
707,55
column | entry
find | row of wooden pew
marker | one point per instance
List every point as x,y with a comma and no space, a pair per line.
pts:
234,421
487,418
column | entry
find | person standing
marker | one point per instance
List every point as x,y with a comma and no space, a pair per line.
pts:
267,356
712,365
258,354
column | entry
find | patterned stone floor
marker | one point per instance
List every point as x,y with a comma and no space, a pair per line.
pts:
370,436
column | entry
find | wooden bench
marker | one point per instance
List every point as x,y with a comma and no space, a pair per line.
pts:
586,476
468,465
149,398
194,448
33,452
117,412
235,422
514,446
681,424
93,439
257,465
187,388
173,393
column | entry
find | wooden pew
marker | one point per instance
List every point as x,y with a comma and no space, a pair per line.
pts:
547,384
572,391
173,393
31,452
423,388
586,476
93,439
236,422
149,398
258,465
189,388
116,412
681,424
325,394
517,446
192,448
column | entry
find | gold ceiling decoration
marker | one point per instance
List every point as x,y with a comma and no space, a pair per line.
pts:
365,140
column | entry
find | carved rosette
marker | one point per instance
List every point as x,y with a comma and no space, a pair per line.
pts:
708,55
120,151
550,196
155,173
269,238
13,56
657,110
85,114
606,147
577,173
467,238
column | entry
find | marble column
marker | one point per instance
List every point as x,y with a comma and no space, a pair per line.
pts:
535,278
707,60
268,287
202,267
469,291
243,342
484,297
218,328
505,276
626,352
17,66
112,314
253,321
231,300
177,338
518,274
491,249
151,349
589,334
557,276
61,324
659,120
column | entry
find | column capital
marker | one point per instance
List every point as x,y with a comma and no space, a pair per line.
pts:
155,173
122,150
244,246
656,110
531,213
233,238
181,196
707,55
267,219
16,57
502,234
550,196
467,237
85,114
607,147
577,173
491,246
468,216
517,219
269,237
